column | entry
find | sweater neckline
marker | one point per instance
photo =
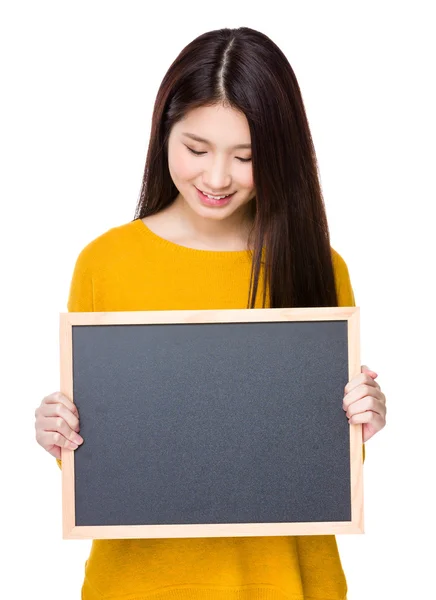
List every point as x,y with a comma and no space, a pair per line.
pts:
172,246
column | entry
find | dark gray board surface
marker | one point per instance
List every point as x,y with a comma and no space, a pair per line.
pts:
211,423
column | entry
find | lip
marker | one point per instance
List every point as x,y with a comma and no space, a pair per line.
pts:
209,202
210,193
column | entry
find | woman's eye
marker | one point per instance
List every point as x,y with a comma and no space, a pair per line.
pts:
200,153
194,152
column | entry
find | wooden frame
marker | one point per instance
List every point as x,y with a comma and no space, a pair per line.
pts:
349,314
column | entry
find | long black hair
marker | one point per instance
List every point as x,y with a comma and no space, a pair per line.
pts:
244,69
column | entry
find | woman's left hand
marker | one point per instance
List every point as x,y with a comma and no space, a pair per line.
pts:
364,402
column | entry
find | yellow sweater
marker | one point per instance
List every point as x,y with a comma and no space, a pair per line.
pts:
130,268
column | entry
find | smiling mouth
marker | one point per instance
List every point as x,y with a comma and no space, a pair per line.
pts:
215,196
216,202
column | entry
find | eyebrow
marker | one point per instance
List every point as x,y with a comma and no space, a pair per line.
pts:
199,139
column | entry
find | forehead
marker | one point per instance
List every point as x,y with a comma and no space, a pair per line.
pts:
216,125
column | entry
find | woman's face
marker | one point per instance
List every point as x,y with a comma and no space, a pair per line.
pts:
221,168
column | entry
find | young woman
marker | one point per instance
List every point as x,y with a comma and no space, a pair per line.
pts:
230,215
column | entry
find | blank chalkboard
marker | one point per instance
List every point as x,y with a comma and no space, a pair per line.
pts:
211,423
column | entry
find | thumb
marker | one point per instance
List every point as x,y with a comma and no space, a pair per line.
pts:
365,369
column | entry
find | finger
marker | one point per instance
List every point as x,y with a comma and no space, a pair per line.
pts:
61,426
360,392
359,381
368,417
362,378
58,397
56,451
60,410
366,369
365,404
48,439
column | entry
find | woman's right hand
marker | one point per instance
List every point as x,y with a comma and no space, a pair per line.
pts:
57,424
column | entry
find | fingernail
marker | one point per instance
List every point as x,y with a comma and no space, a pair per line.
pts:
73,446
77,439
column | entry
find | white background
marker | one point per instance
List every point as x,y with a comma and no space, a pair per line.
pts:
78,85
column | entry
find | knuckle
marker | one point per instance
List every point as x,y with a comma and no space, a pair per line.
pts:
59,423
57,438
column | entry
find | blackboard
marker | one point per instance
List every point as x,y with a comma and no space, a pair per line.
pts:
211,423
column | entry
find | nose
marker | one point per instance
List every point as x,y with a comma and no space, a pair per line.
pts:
217,177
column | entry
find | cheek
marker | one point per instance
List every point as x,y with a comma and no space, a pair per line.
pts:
181,166
246,178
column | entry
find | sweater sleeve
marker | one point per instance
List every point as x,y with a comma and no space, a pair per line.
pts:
80,298
343,283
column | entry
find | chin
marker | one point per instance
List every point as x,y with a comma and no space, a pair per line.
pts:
213,213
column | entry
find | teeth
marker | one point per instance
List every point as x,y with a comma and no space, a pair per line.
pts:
215,197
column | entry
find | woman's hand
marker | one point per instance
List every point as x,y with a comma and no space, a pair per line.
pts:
364,402
57,424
